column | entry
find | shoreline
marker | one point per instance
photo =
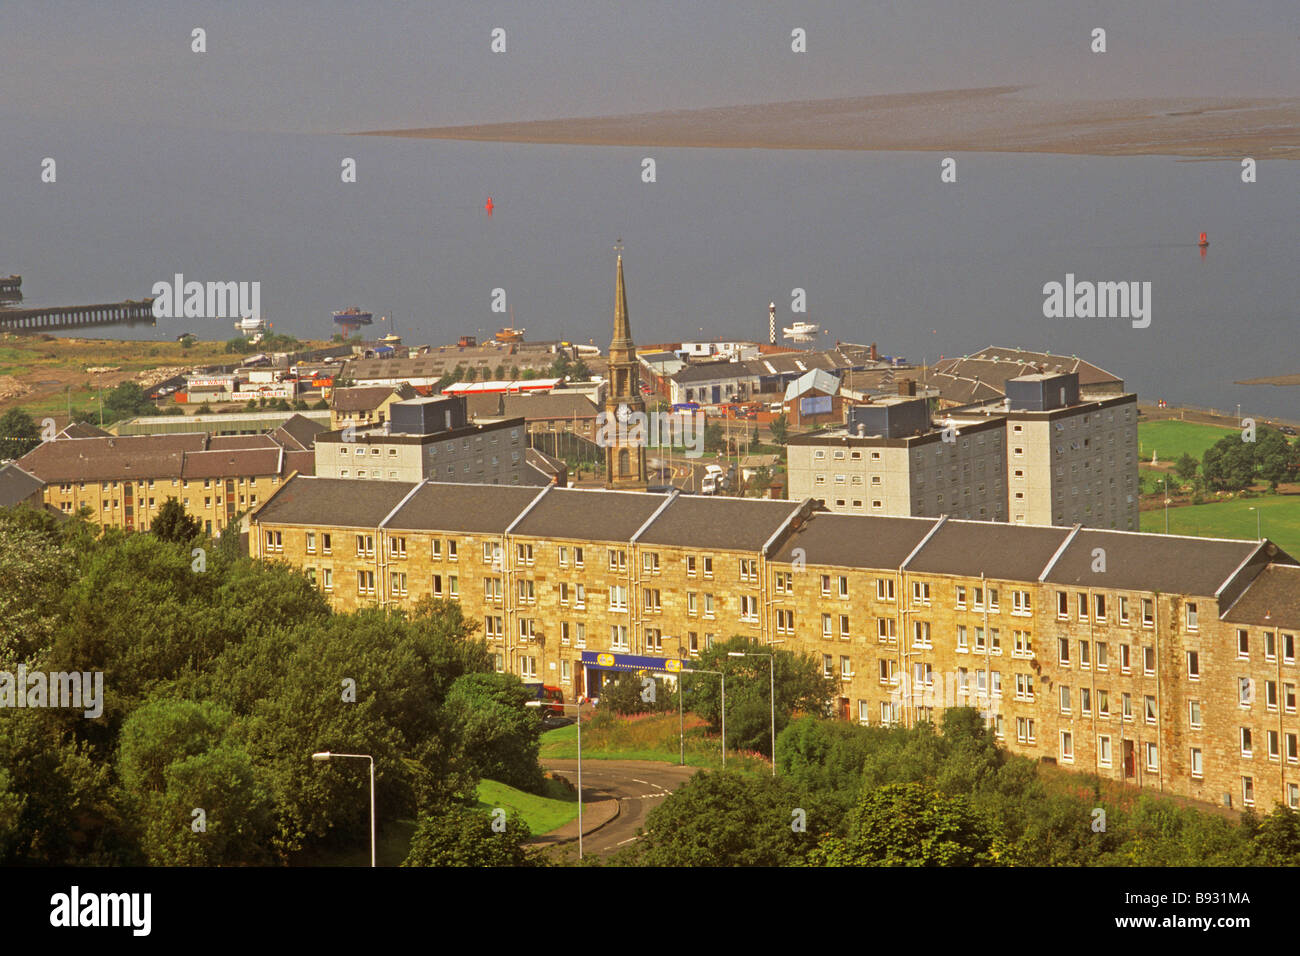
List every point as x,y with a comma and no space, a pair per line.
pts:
993,119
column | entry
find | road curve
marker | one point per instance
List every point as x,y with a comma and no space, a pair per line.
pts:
638,785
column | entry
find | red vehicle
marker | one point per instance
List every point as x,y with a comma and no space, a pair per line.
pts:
552,698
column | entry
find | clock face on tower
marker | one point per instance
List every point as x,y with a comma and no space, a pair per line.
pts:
622,412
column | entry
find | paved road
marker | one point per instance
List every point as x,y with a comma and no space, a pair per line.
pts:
638,785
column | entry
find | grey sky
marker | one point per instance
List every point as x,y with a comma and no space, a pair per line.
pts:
328,65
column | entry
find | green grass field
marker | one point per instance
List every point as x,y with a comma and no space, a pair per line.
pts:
1279,516
1169,440
646,738
542,814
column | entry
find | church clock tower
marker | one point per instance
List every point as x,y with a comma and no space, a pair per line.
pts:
625,466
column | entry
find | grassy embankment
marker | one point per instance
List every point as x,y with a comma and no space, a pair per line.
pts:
647,737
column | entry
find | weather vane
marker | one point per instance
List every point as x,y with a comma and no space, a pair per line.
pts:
618,245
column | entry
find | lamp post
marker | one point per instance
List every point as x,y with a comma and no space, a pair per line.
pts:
692,670
326,755
1166,481
1259,533
578,708
771,673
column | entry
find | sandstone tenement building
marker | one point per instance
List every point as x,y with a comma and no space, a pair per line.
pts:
1166,661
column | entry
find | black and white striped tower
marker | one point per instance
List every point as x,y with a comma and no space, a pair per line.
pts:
771,323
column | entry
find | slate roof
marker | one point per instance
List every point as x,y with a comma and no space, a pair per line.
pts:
1149,562
16,486
727,524
337,502
574,512
849,541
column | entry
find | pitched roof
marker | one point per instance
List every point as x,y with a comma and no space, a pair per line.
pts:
464,508
82,430
818,379
549,467
549,405
113,457
848,541
1273,598
728,524
226,442
337,502
183,455
483,405
232,463
573,512
303,462
298,433
16,485
996,550
366,398
1148,562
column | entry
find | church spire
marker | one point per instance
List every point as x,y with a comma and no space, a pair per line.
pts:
622,327
624,415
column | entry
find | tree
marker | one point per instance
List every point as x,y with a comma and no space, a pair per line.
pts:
1229,464
173,523
460,836
35,568
1276,837
499,734
126,400
174,759
910,825
800,687
730,818
713,438
780,427
18,434
627,693
1276,459
1186,467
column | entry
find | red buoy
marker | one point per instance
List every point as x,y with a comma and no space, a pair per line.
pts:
1204,241
489,206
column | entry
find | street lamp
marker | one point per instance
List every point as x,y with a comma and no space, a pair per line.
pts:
1259,534
326,755
692,670
771,673
578,707
1166,481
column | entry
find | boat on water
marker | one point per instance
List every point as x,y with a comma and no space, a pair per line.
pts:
350,320
510,334
801,331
